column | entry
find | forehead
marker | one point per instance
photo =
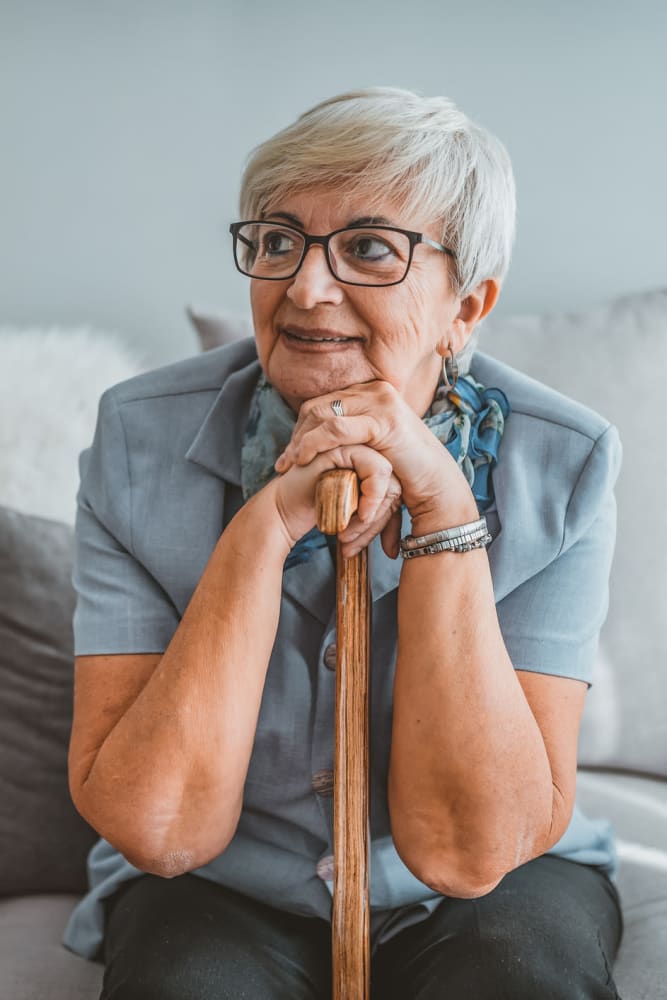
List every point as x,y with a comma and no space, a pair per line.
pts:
320,210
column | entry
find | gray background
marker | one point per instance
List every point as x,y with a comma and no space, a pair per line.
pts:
124,127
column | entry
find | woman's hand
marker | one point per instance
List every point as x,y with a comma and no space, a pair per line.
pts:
377,417
379,502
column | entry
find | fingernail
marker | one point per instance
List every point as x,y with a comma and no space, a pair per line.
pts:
280,462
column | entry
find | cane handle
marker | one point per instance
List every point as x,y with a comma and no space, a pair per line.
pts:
336,499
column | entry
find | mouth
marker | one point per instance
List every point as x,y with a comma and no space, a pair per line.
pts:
316,336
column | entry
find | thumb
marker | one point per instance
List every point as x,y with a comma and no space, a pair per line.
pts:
391,535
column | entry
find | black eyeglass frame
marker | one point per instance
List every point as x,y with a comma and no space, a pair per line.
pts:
309,241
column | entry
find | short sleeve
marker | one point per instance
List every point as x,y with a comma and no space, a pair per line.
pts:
551,623
120,607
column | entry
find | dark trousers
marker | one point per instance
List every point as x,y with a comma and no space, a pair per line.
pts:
549,931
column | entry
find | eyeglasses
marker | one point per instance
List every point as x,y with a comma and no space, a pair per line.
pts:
358,255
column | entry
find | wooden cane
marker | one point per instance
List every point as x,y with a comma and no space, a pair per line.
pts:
337,499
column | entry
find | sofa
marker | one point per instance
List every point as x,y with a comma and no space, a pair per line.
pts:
611,357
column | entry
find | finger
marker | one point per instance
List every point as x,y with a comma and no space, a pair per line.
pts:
354,400
362,399
391,535
373,470
360,533
353,430
317,411
360,539
388,503
377,482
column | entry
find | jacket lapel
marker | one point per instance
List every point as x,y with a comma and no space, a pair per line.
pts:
217,444
217,449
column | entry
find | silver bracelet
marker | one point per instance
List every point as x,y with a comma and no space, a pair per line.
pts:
462,538
445,534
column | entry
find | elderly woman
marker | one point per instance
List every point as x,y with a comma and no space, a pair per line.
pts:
376,232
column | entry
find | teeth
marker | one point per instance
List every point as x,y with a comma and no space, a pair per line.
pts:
319,340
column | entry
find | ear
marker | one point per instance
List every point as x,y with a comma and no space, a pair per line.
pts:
477,304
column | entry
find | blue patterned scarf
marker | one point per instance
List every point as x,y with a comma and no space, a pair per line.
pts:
469,420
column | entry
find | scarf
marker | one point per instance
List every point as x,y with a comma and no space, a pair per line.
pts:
469,421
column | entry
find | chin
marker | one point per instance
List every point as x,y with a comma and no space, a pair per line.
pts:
295,392
296,387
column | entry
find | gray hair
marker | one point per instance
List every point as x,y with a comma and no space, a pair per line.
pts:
421,152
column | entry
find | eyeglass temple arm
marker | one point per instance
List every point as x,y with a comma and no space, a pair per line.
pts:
437,246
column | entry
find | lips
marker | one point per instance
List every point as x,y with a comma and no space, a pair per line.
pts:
316,336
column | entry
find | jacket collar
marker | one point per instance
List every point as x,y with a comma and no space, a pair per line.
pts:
217,444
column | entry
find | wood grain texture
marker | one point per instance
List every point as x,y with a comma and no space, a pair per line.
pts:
336,498
351,895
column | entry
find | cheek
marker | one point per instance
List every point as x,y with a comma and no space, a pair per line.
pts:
408,323
258,303
264,302
430,308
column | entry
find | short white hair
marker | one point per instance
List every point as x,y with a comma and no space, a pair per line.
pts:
421,152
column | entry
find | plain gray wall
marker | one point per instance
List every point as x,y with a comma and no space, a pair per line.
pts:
124,127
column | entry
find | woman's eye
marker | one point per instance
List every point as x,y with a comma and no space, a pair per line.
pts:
277,243
370,248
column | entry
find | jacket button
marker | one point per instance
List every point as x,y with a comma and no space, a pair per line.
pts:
330,656
325,868
322,782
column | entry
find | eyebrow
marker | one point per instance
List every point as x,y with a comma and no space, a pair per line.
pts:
364,220
372,220
285,215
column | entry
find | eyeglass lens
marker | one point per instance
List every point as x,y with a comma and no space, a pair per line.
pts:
365,256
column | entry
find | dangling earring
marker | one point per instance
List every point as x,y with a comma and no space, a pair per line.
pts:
450,371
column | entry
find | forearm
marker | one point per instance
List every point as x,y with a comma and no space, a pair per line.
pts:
470,785
173,768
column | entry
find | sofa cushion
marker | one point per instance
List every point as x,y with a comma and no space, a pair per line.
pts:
613,358
637,808
33,963
216,327
50,385
43,840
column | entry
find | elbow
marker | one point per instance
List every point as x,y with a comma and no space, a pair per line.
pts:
172,859
460,882
148,853
167,862
456,876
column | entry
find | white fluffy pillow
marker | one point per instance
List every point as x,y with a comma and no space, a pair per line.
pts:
50,385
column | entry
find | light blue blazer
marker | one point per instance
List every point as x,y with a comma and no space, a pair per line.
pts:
158,486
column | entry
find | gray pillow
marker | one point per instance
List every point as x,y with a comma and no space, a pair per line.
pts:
216,327
43,840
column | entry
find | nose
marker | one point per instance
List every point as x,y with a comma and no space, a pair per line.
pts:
314,283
